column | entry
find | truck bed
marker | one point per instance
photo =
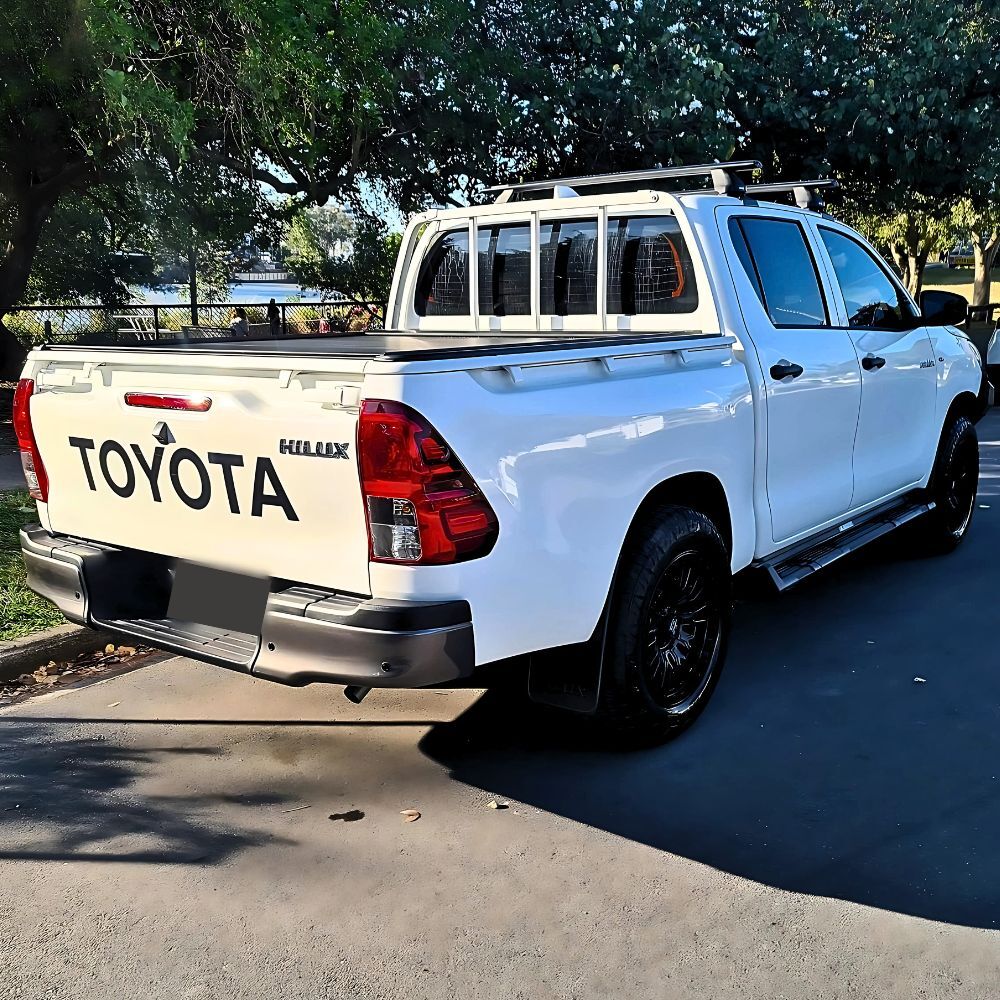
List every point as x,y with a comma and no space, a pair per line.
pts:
384,346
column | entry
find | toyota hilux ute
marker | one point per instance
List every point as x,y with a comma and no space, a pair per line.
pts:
588,410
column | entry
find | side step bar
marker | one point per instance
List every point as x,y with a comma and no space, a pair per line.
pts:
792,565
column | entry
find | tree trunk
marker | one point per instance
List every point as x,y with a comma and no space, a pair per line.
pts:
917,262
32,208
902,263
985,249
193,282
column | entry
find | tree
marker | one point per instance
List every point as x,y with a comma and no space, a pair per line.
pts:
364,274
917,128
304,96
980,216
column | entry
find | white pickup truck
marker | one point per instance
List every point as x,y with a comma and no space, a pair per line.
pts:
586,413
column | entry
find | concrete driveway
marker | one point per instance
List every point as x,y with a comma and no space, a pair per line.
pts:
828,829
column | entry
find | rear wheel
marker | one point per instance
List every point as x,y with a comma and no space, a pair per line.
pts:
953,487
668,631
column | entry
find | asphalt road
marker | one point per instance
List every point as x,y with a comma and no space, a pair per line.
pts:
828,829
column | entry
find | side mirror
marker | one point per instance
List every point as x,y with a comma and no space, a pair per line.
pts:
943,308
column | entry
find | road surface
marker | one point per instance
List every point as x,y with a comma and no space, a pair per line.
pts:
828,829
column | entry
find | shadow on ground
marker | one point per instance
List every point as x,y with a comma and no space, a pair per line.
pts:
821,766
75,799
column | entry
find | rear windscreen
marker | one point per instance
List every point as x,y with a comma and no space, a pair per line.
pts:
649,267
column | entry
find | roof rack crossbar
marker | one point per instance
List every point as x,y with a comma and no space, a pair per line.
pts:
724,175
807,193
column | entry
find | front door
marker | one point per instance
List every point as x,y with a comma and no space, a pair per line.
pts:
898,372
812,379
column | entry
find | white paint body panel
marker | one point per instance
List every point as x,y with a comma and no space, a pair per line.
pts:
565,443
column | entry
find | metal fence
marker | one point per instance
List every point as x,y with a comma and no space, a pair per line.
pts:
72,324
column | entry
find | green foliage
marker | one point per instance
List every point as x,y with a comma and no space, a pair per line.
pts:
314,247
21,611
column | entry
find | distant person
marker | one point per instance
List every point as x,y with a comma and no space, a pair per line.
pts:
324,323
238,325
274,318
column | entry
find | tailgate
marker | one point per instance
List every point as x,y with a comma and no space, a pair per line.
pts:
262,482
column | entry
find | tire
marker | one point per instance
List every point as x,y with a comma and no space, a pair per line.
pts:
953,487
668,630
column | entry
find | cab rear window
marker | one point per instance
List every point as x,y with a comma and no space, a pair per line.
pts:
443,282
649,267
504,255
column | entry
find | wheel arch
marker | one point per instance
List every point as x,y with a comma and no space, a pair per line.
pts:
965,404
700,491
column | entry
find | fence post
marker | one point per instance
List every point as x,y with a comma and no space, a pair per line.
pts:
156,322
284,321
47,328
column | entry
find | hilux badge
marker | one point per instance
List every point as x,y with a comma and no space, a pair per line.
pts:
313,449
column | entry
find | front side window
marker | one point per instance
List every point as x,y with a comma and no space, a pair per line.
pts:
872,298
649,267
504,254
568,267
778,262
443,282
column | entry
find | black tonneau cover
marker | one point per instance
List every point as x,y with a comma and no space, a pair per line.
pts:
391,346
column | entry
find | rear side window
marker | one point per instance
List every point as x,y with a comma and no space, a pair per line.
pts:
777,260
504,254
443,282
568,267
649,267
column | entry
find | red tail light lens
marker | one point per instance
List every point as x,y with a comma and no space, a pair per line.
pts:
158,401
423,506
31,460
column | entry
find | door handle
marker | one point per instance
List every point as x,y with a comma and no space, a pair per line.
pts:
871,362
785,369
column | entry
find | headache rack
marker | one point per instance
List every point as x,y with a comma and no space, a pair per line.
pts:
725,177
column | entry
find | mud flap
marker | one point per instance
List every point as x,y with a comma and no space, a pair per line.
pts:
570,676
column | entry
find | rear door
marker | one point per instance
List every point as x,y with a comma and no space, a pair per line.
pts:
897,426
255,472
812,380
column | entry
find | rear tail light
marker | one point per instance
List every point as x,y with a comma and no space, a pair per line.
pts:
423,506
31,460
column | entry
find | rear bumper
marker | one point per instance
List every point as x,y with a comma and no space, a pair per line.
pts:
307,635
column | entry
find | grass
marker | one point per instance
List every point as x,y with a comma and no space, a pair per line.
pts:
21,611
958,280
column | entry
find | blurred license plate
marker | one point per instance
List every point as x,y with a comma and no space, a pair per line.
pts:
215,597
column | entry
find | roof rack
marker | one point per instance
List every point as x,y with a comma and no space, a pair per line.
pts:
724,177
807,193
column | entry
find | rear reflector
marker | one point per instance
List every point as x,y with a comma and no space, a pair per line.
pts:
157,401
423,506
31,460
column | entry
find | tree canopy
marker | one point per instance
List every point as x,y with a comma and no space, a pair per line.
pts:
177,121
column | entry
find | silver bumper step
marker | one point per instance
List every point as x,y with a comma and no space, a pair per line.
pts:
236,649
791,566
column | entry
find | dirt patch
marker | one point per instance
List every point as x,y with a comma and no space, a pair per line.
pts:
87,667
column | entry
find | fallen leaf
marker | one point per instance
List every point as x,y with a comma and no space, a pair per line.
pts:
126,650
497,805
114,704
410,815
109,648
919,680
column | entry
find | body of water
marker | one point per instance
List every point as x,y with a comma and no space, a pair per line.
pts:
244,291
